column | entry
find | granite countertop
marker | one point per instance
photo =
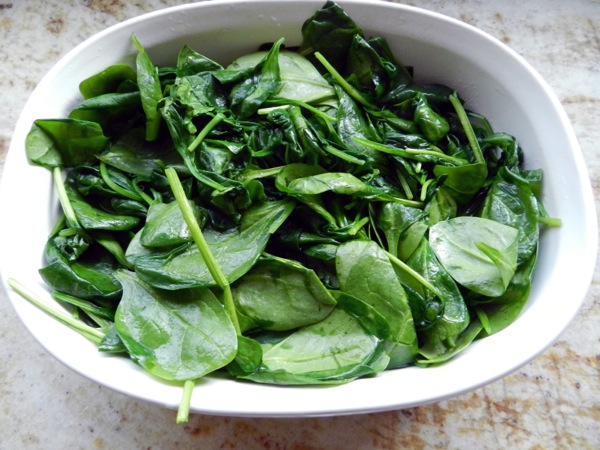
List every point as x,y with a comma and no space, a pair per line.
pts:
553,402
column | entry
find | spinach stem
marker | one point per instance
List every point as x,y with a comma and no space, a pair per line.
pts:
437,154
183,412
416,275
142,194
411,153
343,155
404,184
107,241
358,225
88,307
342,82
114,186
63,198
207,256
468,128
288,103
485,321
424,189
216,120
550,221
101,322
91,333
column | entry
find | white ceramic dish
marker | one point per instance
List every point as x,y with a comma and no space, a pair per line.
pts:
494,80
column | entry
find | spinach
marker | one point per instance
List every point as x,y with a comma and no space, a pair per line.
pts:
332,351
235,251
365,272
441,321
175,335
304,215
64,142
479,253
279,295
150,90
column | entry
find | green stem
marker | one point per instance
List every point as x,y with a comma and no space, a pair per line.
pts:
358,225
183,412
107,240
149,200
416,275
114,186
91,333
411,153
407,202
342,82
207,256
437,154
65,203
343,155
484,319
88,307
424,189
550,221
216,120
468,128
405,186
287,103
267,110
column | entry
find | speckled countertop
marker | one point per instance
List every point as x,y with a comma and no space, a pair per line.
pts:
553,402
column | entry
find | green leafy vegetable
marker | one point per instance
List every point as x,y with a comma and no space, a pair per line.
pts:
478,253
303,215
174,335
281,295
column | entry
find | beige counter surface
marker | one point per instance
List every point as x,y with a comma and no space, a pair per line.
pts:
551,403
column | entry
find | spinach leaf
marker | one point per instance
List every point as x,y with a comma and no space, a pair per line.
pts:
107,81
92,218
279,294
179,335
329,31
307,181
335,350
90,276
131,154
441,206
353,124
265,81
247,358
165,225
403,227
503,310
511,201
457,244
235,251
190,62
463,181
300,80
64,142
463,341
432,124
150,90
364,271
440,321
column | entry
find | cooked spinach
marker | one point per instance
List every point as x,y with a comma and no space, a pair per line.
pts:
300,216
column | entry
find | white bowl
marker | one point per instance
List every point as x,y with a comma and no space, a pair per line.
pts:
494,80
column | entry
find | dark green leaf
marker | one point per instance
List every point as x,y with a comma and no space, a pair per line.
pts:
179,335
